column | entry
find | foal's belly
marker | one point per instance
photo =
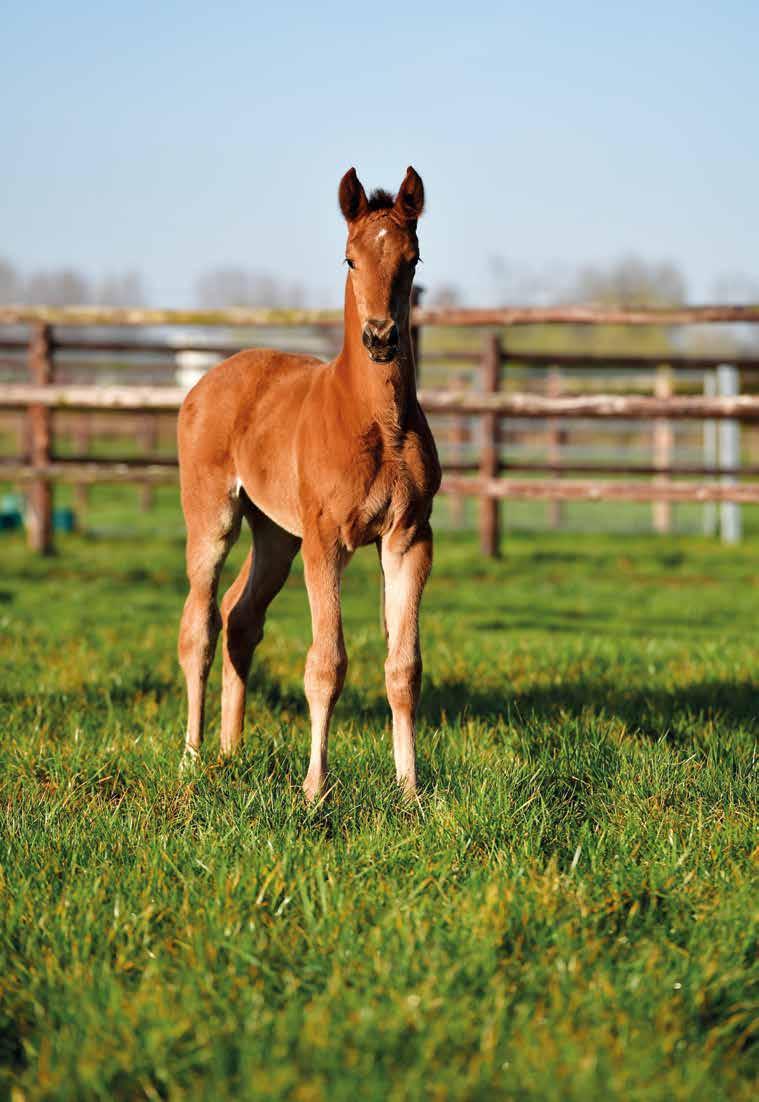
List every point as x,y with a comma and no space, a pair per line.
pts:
273,496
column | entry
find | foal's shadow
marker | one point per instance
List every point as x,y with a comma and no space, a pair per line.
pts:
647,712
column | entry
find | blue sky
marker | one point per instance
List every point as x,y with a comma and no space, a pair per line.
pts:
176,137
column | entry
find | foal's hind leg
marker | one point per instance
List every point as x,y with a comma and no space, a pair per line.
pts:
243,611
210,535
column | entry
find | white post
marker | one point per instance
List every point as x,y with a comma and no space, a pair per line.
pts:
710,454
730,455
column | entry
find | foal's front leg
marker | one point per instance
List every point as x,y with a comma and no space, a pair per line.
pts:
405,574
327,660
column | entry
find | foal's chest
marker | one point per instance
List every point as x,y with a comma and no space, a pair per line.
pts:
396,489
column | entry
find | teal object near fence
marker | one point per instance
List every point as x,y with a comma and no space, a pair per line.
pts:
64,520
11,512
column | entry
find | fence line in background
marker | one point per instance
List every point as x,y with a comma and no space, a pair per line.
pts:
720,412
458,318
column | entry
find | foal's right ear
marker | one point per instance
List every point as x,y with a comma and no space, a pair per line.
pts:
353,202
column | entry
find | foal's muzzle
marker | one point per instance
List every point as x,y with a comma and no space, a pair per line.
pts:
380,340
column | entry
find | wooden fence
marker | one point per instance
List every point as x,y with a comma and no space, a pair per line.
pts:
484,479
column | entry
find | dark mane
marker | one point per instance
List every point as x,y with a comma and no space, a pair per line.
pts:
381,200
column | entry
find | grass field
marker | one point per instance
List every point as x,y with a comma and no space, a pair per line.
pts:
568,913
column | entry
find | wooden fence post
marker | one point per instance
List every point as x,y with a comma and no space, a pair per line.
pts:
40,499
663,440
82,437
459,439
557,437
416,298
490,381
148,434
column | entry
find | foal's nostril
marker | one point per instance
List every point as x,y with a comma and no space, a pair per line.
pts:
380,334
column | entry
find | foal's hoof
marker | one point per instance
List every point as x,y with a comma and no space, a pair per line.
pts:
189,762
313,789
409,791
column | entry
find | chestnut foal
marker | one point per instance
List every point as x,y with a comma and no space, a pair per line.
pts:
323,457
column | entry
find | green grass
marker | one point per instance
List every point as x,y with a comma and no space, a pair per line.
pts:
568,913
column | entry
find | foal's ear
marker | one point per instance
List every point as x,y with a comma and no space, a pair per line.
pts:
353,202
409,202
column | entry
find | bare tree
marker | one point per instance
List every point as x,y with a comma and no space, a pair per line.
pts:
68,287
10,284
234,286
124,289
525,284
58,287
444,297
632,281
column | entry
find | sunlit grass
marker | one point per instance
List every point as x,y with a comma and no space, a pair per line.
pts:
569,912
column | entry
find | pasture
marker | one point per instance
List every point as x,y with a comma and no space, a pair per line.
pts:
569,912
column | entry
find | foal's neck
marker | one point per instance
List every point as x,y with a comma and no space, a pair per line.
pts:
380,392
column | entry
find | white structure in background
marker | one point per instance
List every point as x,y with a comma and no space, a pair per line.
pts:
730,454
192,361
722,448
192,364
711,454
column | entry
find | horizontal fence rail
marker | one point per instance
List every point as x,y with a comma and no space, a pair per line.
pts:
147,399
514,489
459,318
600,405
54,347
138,399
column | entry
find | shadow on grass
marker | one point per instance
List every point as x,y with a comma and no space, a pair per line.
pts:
650,712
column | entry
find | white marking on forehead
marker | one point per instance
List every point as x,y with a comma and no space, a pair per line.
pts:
381,234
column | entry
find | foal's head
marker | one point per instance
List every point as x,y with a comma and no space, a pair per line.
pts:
382,254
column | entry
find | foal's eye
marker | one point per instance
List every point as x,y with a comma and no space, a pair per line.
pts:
349,262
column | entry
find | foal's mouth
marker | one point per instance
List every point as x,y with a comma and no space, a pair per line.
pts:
383,355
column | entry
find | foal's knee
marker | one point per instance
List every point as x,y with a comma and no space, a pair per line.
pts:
325,674
403,679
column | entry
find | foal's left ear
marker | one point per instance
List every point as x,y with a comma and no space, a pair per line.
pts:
409,202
